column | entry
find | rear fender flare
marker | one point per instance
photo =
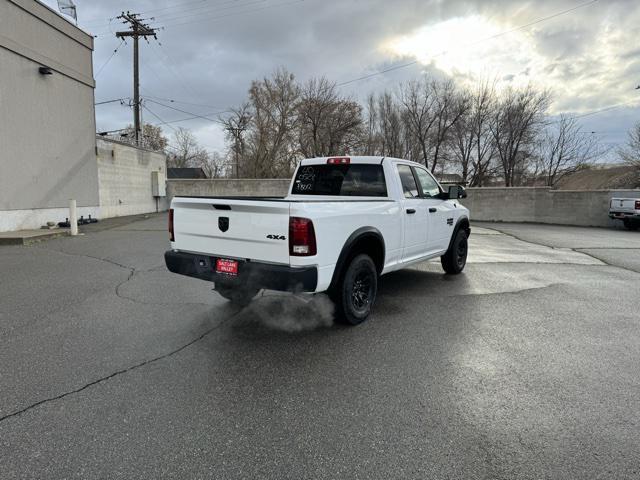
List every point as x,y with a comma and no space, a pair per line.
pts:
360,234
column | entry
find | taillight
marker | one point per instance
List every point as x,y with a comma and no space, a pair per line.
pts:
339,161
637,207
302,237
172,237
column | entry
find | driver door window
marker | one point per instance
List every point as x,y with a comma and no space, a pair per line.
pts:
428,184
409,186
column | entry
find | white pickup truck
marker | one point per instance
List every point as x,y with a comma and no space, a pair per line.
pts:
627,210
345,222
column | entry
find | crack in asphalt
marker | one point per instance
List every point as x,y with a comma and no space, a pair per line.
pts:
117,373
62,252
132,272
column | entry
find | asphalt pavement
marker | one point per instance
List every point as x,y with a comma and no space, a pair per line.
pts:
525,366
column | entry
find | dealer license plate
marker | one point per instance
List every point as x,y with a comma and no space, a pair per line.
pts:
229,267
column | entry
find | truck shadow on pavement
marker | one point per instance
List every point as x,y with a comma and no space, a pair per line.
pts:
412,282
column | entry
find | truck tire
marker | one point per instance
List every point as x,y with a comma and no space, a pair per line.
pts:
630,224
238,296
356,291
454,260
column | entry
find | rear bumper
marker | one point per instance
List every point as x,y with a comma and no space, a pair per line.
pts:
250,274
624,215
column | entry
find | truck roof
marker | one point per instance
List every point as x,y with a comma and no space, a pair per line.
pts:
354,159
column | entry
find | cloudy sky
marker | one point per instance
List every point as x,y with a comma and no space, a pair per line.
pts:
210,50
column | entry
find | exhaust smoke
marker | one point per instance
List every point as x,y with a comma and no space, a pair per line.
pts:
290,312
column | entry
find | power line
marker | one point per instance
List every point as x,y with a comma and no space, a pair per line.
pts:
171,100
155,115
492,37
381,72
159,52
100,22
606,109
192,117
109,101
205,17
217,8
196,117
187,112
210,19
177,5
109,59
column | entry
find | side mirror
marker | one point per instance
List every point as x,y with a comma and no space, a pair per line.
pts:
456,191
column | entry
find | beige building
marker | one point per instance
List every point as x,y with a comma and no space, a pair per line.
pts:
47,121
48,150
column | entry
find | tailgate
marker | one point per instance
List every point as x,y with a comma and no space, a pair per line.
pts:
623,205
244,229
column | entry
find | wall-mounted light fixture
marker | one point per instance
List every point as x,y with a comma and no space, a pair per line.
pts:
45,71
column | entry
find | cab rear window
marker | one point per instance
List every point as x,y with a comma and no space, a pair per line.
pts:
353,180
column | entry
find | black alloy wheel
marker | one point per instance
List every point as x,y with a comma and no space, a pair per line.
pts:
356,293
455,259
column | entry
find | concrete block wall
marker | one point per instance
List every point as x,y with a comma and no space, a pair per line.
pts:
543,205
124,179
228,187
494,204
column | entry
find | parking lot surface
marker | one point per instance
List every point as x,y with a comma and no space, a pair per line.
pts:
525,366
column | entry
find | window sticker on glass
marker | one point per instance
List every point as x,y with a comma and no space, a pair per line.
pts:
354,180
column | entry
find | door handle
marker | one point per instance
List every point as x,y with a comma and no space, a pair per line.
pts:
411,211
433,210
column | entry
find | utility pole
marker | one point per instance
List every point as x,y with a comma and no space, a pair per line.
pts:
236,129
237,136
138,29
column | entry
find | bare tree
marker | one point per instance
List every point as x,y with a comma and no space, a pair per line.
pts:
391,126
450,106
430,121
271,137
327,124
484,105
464,140
370,143
214,165
563,149
185,151
515,126
235,126
432,108
630,153
418,102
473,145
